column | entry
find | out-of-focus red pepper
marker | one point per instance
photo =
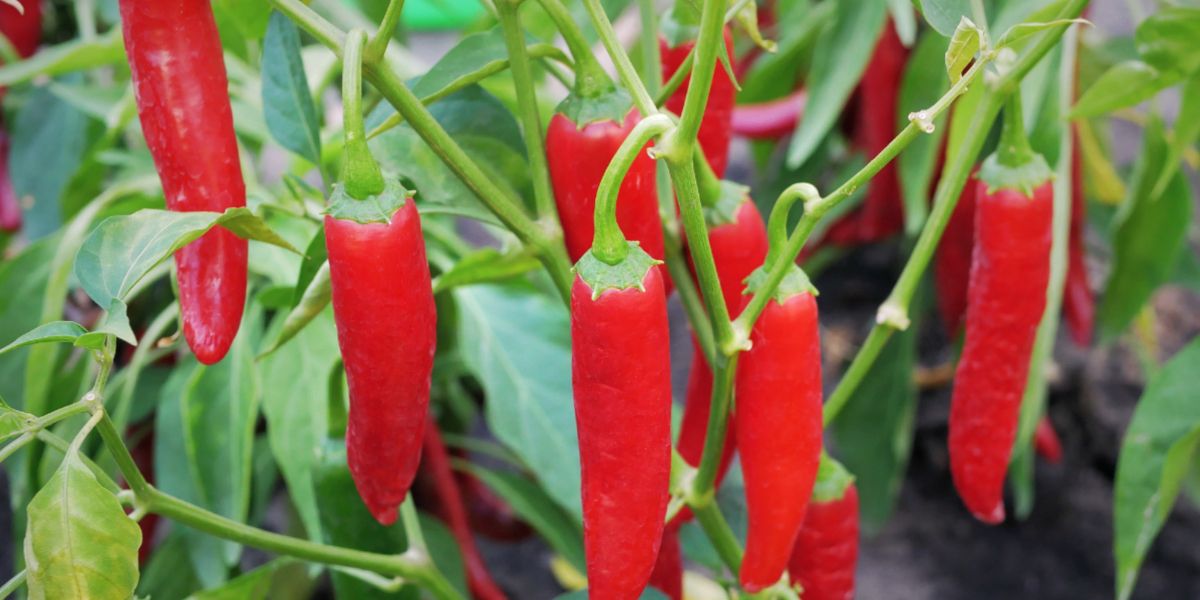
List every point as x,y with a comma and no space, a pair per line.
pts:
952,262
1079,302
668,571
882,212
770,120
10,205
1046,441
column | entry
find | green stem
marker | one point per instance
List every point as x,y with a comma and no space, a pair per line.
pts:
590,79
651,61
412,524
859,367
777,232
132,373
120,453
625,69
676,80
712,19
360,173
12,585
689,297
1014,149
16,444
53,441
527,105
609,243
719,533
724,372
387,28
683,175
706,179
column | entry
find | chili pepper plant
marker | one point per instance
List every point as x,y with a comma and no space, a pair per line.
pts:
295,306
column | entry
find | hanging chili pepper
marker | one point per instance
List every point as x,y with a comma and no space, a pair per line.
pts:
437,478
952,262
716,127
826,551
10,205
488,514
184,108
778,392
621,377
770,120
882,212
384,311
1079,303
22,28
667,576
1010,271
1046,441
738,238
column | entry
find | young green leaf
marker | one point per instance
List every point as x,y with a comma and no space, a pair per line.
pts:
288,106
1167,39
312,303
964,45
68,57
945,15
1160,444
78,542
53,332
483,266
1125,84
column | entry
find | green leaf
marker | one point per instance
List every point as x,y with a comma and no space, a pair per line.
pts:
1021,31
841,56
485,265
315,299
314,260
516,342
122,250
921,86
1159,445
1151,232
294,380
53,332
168,573
904,18
12,421
472,53
255,583
68,57
79,543
1125,84
964,44
560,530
1186,131
1167,39
875,430
48,143
288,106
945,15
443,549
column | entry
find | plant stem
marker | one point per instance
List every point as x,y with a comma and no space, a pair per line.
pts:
132,372
724,370
527,105
387,28
719,533
120,453
683,175
53,441
689,297
676,80
590,78
11,586
651,61
625,70
608,243
712,19
876,340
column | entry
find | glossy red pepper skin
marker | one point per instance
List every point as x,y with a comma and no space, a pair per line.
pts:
778,394
1046,442
717,126
952,261
770,120
1079,303
738,249
826,551
10,205
577,159
437,475
23,29
882,212
1010,270
668,570
386,323
182,94
621,376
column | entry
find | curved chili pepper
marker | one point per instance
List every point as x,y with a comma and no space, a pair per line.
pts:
1046,441
668,570
448,506
826,551
1010,270
882,211
779,432
10,205
578,155
621,376
386,324
1079,303
716,128
738,248
184,108
770,120
952,262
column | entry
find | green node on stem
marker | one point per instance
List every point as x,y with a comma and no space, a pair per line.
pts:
1014,165
361,176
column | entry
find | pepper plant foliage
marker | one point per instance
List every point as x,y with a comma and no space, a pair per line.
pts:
136,470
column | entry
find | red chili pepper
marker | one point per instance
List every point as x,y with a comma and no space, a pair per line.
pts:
1079,302
882,212
1046,441
386,330
23,29
952,262
622,382
1009,273
10,205
716,128
668,570
770,120
448,506
738,247
488,514
826,551
578,156
779,432
184,108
